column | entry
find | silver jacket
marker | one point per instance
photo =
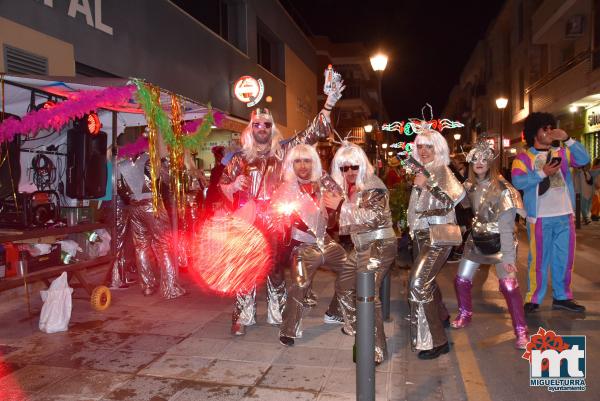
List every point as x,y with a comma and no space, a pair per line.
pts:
135,180
266,172
434,204
494,206
366,215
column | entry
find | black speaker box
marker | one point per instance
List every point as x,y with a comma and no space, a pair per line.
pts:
86,164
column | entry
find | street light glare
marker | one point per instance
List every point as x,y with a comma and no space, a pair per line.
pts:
501,102
384,145
368,128
456,137
378,62
573,109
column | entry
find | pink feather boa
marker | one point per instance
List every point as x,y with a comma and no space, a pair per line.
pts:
132,149
56,117
191,126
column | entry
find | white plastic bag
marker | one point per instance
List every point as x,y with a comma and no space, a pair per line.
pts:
56,311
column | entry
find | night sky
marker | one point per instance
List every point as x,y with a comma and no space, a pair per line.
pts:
428,42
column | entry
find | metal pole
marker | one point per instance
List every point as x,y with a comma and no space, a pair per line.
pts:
384,295
379,79
502,141
577,211
365,336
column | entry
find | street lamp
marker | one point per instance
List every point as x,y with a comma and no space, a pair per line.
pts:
368,128
501,103
378,63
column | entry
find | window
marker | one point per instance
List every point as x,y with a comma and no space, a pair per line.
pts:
520,22
226,18
19,61
521,89
270,51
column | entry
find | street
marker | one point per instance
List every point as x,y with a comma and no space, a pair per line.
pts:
145,348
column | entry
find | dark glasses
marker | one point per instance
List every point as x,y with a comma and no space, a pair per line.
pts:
346,168
265,124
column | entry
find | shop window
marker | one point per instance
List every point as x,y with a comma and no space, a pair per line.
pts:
270,51
226,18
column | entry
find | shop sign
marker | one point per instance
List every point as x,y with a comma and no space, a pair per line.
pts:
249,90
83,6
592,120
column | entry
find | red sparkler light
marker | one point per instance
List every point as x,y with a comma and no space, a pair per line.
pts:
231,255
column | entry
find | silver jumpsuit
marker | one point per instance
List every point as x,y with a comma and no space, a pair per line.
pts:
149,230
443,191
366,217
266,174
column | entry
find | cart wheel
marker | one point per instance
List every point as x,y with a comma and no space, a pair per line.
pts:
100,298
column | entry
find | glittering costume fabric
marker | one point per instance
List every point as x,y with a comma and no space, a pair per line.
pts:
265,174
150,231
366,217
121,265
428,206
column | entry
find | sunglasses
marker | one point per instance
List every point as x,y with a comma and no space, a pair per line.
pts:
263,125
346,168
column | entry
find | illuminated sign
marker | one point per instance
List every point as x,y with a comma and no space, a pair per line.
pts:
409,129
249,90
93,123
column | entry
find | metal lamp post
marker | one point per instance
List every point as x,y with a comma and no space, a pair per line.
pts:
378,63
456,139
501,103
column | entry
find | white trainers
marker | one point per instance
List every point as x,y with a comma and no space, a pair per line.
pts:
332,319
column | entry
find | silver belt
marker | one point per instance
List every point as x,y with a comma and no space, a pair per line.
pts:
303,236
368,237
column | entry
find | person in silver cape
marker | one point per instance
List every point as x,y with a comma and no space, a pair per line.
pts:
248,182
435,193
364,215
150,230
299,203
495,204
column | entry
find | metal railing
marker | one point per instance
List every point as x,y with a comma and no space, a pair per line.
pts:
563,68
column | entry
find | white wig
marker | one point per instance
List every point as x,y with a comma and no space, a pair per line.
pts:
249,144
351,155
441,155
302,151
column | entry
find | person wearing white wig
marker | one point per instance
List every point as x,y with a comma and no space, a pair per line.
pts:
435,193
248,182
364,215
299,202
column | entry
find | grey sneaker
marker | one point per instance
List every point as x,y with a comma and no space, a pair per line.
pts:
332,319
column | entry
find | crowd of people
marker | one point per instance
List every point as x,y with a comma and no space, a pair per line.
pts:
342,221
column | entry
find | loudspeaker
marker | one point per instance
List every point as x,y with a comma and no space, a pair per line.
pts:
10,164
86,164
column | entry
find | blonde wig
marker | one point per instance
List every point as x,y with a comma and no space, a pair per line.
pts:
302,151
249,144
351,155
440,147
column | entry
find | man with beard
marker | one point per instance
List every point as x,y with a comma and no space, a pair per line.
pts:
248,182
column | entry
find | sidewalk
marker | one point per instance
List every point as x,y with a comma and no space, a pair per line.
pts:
145,348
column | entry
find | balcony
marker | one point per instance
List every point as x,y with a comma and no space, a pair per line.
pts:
547,21
355,98
562,85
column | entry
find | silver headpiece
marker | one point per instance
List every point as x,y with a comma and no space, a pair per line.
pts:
482,151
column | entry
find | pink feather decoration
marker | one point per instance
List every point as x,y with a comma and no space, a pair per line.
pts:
132,149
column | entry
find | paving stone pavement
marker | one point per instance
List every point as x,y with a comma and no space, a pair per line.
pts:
146,348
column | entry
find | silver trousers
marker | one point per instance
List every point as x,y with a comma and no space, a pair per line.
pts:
150,235
426,327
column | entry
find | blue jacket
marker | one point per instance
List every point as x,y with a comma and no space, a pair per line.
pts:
527,179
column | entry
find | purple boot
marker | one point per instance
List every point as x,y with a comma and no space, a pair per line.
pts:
463,296
509,286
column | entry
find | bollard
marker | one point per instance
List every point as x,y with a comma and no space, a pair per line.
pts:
365,336
384,296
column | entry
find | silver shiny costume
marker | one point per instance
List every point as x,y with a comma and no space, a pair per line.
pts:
495,205
366,217
431,205
118,274
266,174
312,248
149,231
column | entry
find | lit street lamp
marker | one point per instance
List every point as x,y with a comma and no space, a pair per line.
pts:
378,63
501,103
456,139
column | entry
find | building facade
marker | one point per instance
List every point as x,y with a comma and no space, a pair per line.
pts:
196,50
541,56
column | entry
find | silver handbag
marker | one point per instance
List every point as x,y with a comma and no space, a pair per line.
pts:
445,235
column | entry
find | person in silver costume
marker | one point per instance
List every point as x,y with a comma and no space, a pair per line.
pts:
119,277
364,215
435,193
248,182
149,230
302,193
495,204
